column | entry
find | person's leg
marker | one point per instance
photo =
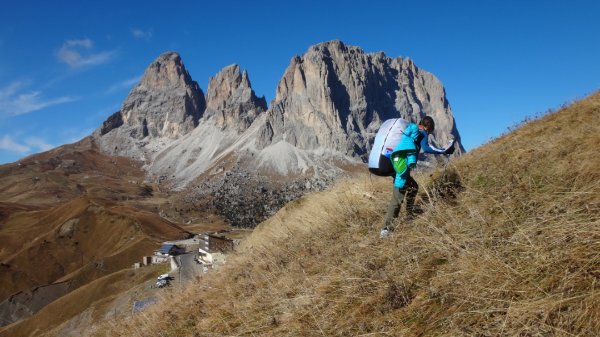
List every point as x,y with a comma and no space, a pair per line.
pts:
393,208
411,188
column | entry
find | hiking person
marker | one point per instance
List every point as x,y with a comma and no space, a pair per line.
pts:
404,157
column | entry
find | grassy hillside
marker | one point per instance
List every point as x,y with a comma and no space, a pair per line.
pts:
508,245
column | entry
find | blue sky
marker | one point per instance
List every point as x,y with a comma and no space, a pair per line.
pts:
67,65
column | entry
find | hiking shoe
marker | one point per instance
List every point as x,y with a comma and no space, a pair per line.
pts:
384,233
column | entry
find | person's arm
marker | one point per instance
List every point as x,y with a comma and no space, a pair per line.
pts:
429,148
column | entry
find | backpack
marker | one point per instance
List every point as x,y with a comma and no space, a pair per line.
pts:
389,135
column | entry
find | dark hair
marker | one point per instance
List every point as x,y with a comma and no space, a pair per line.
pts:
428,123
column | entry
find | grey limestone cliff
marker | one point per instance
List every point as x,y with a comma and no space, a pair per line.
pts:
336,96
165,103
230,100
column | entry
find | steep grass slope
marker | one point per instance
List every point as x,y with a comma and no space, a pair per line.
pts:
508,245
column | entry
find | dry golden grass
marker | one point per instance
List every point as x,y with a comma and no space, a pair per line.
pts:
508,245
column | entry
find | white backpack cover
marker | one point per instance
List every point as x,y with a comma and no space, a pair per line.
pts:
388,136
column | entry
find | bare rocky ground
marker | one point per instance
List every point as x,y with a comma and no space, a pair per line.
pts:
247,199
238,199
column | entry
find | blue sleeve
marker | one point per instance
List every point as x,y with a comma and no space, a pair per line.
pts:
425,144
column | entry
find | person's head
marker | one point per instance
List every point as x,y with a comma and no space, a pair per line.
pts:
428,124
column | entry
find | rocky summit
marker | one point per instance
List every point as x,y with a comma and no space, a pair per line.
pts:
166,103
327,109
231,102
336,96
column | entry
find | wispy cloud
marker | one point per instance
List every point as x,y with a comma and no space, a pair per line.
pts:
125,84
15,101
78,135
79,53
30,144
86,43
141,34
38,143
8,144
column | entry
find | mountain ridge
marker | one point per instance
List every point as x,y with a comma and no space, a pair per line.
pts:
327,108
329,103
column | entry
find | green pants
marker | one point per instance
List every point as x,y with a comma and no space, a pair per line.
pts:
409,191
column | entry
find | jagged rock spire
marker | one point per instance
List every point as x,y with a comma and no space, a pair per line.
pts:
335,97
231,102
165,103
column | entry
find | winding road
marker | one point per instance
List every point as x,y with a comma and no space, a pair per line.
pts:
189,269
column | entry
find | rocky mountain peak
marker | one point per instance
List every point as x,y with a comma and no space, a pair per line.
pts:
230,101
333,48
167,71
165,103
335,97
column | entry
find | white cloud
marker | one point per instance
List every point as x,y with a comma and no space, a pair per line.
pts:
38,143
86,43
14,101
8,144
82,135
141,34
27,146
125,84
79,53
69,136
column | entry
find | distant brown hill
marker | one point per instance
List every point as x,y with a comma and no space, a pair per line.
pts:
71,216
